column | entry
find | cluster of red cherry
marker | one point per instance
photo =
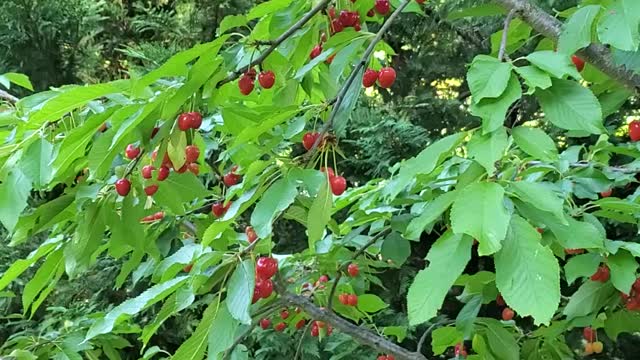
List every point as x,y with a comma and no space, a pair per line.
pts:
632,300
186,121
459,351
247,80
507,312
385,77
229,179
592,345
266,268
284,314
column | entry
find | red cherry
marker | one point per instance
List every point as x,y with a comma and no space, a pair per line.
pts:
246,85
507,314
267,79
602,274
371,13
131,152
459,350
382,357
357,27
187,268
309,139
192,152
194,168
330,59
265,287
284,314
196,120
256,295
317,50
606,193
391,357
386,77
251,234
540,230
573,251
123,186
332,12
218,209
353,299
422,2
382,7
500,300
369,78
151,189
231,179
589,334
280,326
315,332
320,324
158,216
166,161
266,267
184,121
154,132
183,169
344,299
147,171
336,27
300,324
265,323
251,73
578,62
323,279
347,18
329,329
338,185
634,130
353,270
103,127
323,37
163,173
329,171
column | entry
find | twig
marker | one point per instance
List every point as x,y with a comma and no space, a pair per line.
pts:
359,334
505,35
304,332
6,96
275,43
344,266
429,330
337,101
253,325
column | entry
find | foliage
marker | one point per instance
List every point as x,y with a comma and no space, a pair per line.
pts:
499,208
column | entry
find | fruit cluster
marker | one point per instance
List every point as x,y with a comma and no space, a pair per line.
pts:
229,179
348,299
153,217
386,357
317,325
246,84
385,77
459,351
251,234
632,300
592,346
602,274
507,312
266,268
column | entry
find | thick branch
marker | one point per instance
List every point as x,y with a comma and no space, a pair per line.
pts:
6,96
275,43
596,54
361,335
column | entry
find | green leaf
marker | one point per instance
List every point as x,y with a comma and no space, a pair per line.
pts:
371,303
534,78
571,106
240,291
619,25
400,332
558,65
19,266
176,149
177,302
14,192
195,346
488,77
42,278
178,190
500,341
430,213
347,104
488,148
622,321
535,142
319,215
447,259
19,79
527,273
518,33
468,314
541,196
423,163
395,248
479,211
581,266
576,31
623,268
221,334
230,22
133,306
494,111
444,338
274,201
589,299
35,163
267,8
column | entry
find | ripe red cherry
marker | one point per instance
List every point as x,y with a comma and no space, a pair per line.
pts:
284,314
280,326
196,119
391,357
606,193
507,314
353,270
460,351
422,2
589,334
265,323
382,7
256,295
336,27
573,251
386,77
184,121
218,209
540,230
578,62
323,279
329,171
267,79
353,299
265,287
187,268
500,300
338,185
147,171
347,18
246,85
192,152
163,173
251,73
332,12
382,357
166,161
309,139
251,234
123,186
634,130
266,267
183,169
602,274
317,50
132,152
344,299
369,78
151,189
231,179
315,332
194,168
330,59
300,324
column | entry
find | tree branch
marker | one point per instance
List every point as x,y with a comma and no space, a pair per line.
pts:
337,101
359,334
596,54
505,35
429,330
6,96
275,43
